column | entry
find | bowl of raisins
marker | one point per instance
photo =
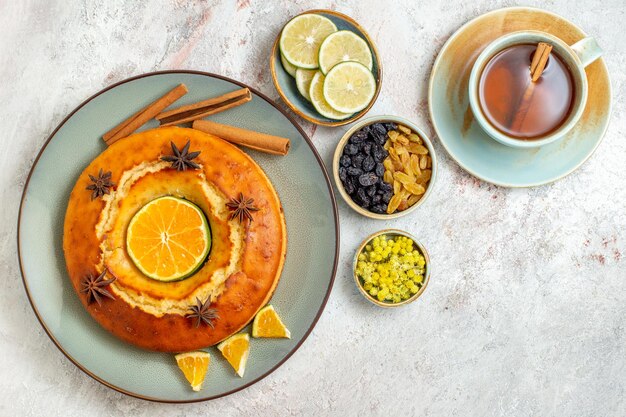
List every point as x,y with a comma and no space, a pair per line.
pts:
384,167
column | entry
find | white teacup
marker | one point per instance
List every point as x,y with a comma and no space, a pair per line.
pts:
576,57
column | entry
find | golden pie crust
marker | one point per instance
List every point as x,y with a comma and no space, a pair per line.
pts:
243,267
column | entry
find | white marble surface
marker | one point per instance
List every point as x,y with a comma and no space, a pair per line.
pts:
525,314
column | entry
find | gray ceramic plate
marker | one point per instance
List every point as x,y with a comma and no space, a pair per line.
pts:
312,226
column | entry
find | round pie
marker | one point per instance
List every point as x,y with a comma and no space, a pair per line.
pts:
209,301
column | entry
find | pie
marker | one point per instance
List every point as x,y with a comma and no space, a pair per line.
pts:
247,249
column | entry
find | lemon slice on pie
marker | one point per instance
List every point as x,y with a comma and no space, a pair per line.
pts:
344,46
316,91
268,324
168,239
303,81
349,87
301,38
236,349
194,366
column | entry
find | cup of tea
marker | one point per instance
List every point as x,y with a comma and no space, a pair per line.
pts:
517,111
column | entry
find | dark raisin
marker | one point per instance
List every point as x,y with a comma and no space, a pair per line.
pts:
349,187
357,160
385,186
380,169
387,197
368,164
377,153
379,208
345,161
367,179
343,174
361,198
370,191
377,198
351,149
379,128
366,129
353,171
367,147
390,126
379,138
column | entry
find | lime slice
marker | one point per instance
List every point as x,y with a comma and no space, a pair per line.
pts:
349,87
291,70
319,102
344,46
303,81
301,38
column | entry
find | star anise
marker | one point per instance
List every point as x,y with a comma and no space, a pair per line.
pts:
95,289
242,207
182,159
101,184
202,313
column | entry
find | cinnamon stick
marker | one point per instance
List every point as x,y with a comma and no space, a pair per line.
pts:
537,66
540,59
204,108
140,118
254,140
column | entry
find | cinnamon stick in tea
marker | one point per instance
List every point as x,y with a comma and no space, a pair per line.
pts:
254,140
204,108
538,64
140,118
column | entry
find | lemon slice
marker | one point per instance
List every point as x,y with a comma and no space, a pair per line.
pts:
344,46
194,366
236,350
168,239
316,91
349,87
303,81
268,324
291,70
301,38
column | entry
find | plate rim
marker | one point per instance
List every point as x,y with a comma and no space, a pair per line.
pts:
442,142
328,185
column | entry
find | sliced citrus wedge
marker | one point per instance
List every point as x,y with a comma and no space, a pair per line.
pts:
349,87
168,239
344,46
303,81
291,70
316,92
236,349
301,38
268,324
194,366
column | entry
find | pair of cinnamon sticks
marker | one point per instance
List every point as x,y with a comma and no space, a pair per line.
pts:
193,112
537,66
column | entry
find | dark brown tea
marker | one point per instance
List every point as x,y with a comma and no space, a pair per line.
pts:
503,90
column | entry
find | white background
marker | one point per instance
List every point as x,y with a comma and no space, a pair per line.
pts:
526,310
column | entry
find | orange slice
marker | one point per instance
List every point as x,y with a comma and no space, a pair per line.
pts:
168,239
194,366
268,324
236,349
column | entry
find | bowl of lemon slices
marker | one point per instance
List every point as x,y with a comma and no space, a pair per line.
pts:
326,68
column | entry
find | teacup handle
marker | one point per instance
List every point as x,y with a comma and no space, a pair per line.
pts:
587,50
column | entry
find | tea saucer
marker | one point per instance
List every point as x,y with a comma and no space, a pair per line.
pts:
470,146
